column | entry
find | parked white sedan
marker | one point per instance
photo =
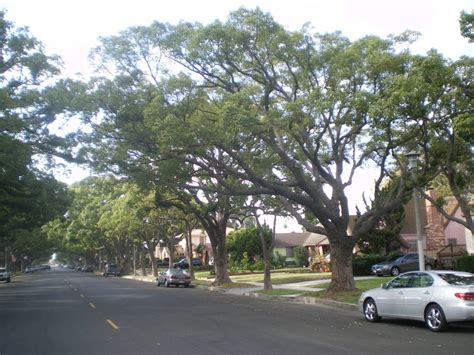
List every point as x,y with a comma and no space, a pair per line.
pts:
435,297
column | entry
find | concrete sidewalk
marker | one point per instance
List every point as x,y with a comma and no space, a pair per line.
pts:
305,286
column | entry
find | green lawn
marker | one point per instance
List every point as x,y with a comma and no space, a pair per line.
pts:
279,278
361,284
348,297
279,292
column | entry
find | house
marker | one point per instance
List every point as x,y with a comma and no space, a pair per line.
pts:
438,232
198,237
285,244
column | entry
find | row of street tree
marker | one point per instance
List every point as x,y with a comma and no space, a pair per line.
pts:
223,120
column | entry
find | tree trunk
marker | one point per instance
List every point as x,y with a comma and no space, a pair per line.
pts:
220,266
189,251
172,254
216,228
151,253
267,276
341,266
143,262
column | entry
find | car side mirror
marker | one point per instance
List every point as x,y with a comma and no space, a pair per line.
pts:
384,285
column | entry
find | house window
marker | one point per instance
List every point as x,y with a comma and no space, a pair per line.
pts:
452,241
289,252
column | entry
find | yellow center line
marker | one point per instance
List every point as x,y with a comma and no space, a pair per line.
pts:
92,305
112,324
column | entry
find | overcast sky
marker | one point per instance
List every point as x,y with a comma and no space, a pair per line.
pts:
70,28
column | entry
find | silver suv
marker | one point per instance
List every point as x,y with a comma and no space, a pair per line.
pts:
4,275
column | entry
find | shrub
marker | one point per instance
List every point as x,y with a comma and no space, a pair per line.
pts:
277,260
258,265
465,263
362,265
301,256
247,240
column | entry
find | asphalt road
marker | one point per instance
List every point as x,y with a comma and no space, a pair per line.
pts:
67,312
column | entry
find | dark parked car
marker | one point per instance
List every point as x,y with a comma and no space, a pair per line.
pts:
183,263
175,277
163,263
88,268
112,269
402,263
5,275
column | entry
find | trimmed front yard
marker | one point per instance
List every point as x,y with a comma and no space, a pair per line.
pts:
279,278
347,297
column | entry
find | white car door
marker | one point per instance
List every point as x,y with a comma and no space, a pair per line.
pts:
390,300
417,295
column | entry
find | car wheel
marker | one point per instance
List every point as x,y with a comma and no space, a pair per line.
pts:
428,267
8,280
395,271
370,311
157,283
435,319
186,285
167,284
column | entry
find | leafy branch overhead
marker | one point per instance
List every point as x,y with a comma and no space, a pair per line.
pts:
247,108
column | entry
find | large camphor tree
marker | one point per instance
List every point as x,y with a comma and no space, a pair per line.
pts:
29,197
259,110
296,115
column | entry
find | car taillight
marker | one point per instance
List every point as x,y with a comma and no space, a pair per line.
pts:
469,296
173,277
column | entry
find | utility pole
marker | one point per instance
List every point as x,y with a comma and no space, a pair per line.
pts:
412,164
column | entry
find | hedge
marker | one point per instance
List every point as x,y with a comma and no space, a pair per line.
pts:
465,263
362,265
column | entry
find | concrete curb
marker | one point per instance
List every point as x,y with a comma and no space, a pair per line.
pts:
251,293
305,300
286,298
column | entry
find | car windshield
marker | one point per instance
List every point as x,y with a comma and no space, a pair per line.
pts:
454,279
395,257
176,271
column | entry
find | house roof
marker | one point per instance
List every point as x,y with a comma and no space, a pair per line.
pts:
316,239
284,240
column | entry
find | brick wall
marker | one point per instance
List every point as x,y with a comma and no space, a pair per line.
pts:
434,229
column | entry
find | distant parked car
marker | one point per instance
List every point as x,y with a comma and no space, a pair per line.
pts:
112,269
5,275
30,269
402,263
88,268
175,277
163,263
183,263
435,297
